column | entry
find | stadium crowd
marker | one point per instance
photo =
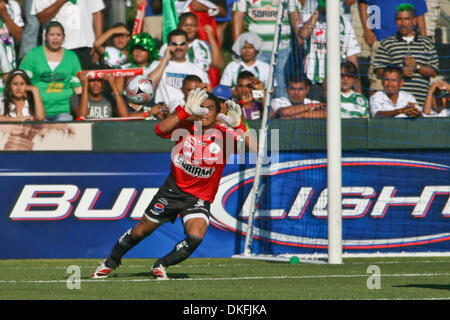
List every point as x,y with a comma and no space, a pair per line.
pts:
49,49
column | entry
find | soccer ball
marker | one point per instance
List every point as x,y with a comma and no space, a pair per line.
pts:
139,90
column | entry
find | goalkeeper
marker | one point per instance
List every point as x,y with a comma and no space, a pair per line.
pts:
198,160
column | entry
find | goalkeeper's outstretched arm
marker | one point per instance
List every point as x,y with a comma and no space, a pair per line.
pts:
191,110
234,120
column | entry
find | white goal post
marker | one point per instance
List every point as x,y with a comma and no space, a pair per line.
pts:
333,143
334,148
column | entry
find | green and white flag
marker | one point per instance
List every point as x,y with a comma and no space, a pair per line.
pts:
170,18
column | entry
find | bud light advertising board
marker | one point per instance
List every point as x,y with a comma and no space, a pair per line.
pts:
77,205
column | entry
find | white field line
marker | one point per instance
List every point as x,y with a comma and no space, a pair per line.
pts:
144,266
214,265
235,278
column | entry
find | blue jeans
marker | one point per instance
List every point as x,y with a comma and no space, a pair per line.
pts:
30,32
62,117
280,71
115,11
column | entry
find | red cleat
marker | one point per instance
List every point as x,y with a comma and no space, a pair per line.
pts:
159,273
101,272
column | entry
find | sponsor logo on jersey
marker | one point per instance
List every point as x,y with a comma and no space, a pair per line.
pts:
158,207
214,148
266,13
360,101
164,200
193,170
200,203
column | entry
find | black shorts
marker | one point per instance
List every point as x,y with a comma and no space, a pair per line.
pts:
170,201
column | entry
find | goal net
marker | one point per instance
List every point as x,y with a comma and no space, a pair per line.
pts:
390,189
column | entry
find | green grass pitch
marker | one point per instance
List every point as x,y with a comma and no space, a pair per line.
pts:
424,278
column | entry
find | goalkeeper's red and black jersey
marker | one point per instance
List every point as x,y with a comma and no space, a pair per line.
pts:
198,159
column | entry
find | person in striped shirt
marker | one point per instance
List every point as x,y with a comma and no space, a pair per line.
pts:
378,29
353,104
414,53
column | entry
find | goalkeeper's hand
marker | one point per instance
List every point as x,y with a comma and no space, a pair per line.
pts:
233,119
194,101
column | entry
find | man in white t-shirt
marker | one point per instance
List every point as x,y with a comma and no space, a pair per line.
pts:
82,21
168,74
297,105
393,102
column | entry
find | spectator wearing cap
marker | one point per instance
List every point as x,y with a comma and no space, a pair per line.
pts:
222,93
245,50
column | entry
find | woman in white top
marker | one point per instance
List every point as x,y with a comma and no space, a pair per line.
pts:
21,100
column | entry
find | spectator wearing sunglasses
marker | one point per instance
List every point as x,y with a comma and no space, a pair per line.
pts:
206,54
168,73
53,69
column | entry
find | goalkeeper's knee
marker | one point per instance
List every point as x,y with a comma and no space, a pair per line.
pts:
182,251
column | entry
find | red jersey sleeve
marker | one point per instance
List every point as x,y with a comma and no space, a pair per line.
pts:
185,124
159,133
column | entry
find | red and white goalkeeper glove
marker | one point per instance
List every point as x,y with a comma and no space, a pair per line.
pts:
233,119
192,106
194,101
